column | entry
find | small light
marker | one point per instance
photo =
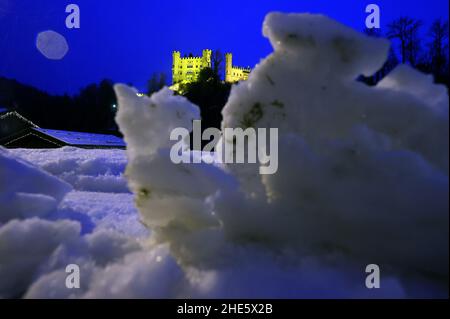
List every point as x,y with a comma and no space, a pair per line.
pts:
114,106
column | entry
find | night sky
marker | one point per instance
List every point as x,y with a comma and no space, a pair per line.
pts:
127,41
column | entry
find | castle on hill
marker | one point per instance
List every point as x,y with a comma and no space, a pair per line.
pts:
187,69
235,73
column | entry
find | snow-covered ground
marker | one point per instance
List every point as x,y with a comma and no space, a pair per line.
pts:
362,179
85,195
100,196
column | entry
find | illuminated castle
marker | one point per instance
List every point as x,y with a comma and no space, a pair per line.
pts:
234,73
186,69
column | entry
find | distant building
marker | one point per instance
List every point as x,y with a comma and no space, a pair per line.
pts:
12,123
187,69
235,73
18,132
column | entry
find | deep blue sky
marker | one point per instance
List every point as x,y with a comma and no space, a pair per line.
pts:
128,40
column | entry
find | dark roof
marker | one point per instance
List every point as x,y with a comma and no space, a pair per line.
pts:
17,131
30,138
12,123
15,114
43,138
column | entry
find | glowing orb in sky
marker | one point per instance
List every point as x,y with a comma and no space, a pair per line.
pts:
52,45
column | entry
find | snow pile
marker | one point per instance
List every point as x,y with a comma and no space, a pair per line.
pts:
36,250
363,171
100,198
99,170
45,225
99,210
147,124
24,246
25,191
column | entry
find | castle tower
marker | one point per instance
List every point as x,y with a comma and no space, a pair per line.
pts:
176,64
234,73
228,67
206,58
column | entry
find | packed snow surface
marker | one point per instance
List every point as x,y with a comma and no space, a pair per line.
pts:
362,179
81,138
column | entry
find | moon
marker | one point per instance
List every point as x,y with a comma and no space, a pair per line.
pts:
52,45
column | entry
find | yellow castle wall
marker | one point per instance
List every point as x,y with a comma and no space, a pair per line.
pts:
233,73
187,69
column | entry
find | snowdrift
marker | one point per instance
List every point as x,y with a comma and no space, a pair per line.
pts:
25,191
96,170
363,171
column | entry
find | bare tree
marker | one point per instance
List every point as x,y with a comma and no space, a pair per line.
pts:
406,30
217,63
438,46
156,82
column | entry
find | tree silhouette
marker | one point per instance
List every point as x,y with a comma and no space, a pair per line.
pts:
429,55
217,63
438,47
156,82
89,111
406,30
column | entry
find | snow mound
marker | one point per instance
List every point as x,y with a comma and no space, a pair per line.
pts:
163,110
26,191
147,124
95,211
363,171
34,250
24,246
90,229
93,170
